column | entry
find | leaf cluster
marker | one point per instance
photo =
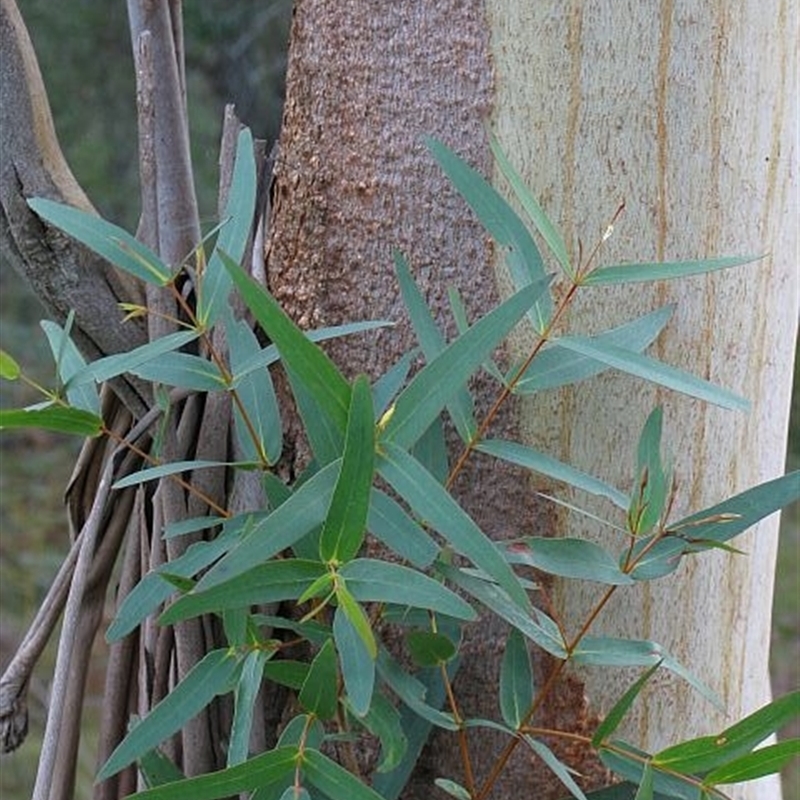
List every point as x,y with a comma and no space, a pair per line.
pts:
380,469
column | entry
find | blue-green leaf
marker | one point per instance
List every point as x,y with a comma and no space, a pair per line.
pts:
358,663
335,781
431,501
107,240
506,228
62,419
558,768
556,366
244,704
661,271
69,361
371,580
516,680
654,371
234,232
383,720
612,720
207,679
432,387
546,465
432,343
650,493
388,522
182,369
429,648
163,470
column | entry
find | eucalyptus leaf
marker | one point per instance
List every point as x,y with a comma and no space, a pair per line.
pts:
318,695
244,705
516,680
335,781
182,369
62,419
357,661
68,362
661,271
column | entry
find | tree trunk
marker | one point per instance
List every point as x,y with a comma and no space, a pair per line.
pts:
683,111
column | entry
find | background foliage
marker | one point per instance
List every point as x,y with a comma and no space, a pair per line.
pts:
234,53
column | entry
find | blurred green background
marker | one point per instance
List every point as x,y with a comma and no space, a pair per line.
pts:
235,53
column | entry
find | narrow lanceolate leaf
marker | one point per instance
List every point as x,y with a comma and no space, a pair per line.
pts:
107,240
653,370
306,364
496,599
9,368
606,651
638,273
271,768
52,418
556,366
68,362
301,513
433,504
345,525
244,704
506,228
163,470
271,582
260,436
546,465
612,720
319,694
182,369
111,366
650,493
558,768
568,558
234,232
434,386
357,660
548,231
432,343
764,761
334,781
516,680
157,769
373,581
358,618
712,752
210,677
383,720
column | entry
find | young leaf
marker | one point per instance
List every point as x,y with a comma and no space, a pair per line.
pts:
568,558
548,231
431,501
539,462
371,580
638,273
523,257
318,695
433,386
556,366
52,418
207,679
356,658
267,769
712,752
650,369
516,680
432,343
333,780
345,524
305,363
764,761
234,232
107,240
9,368
244,699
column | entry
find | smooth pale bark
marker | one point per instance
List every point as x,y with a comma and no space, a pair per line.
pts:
688,112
